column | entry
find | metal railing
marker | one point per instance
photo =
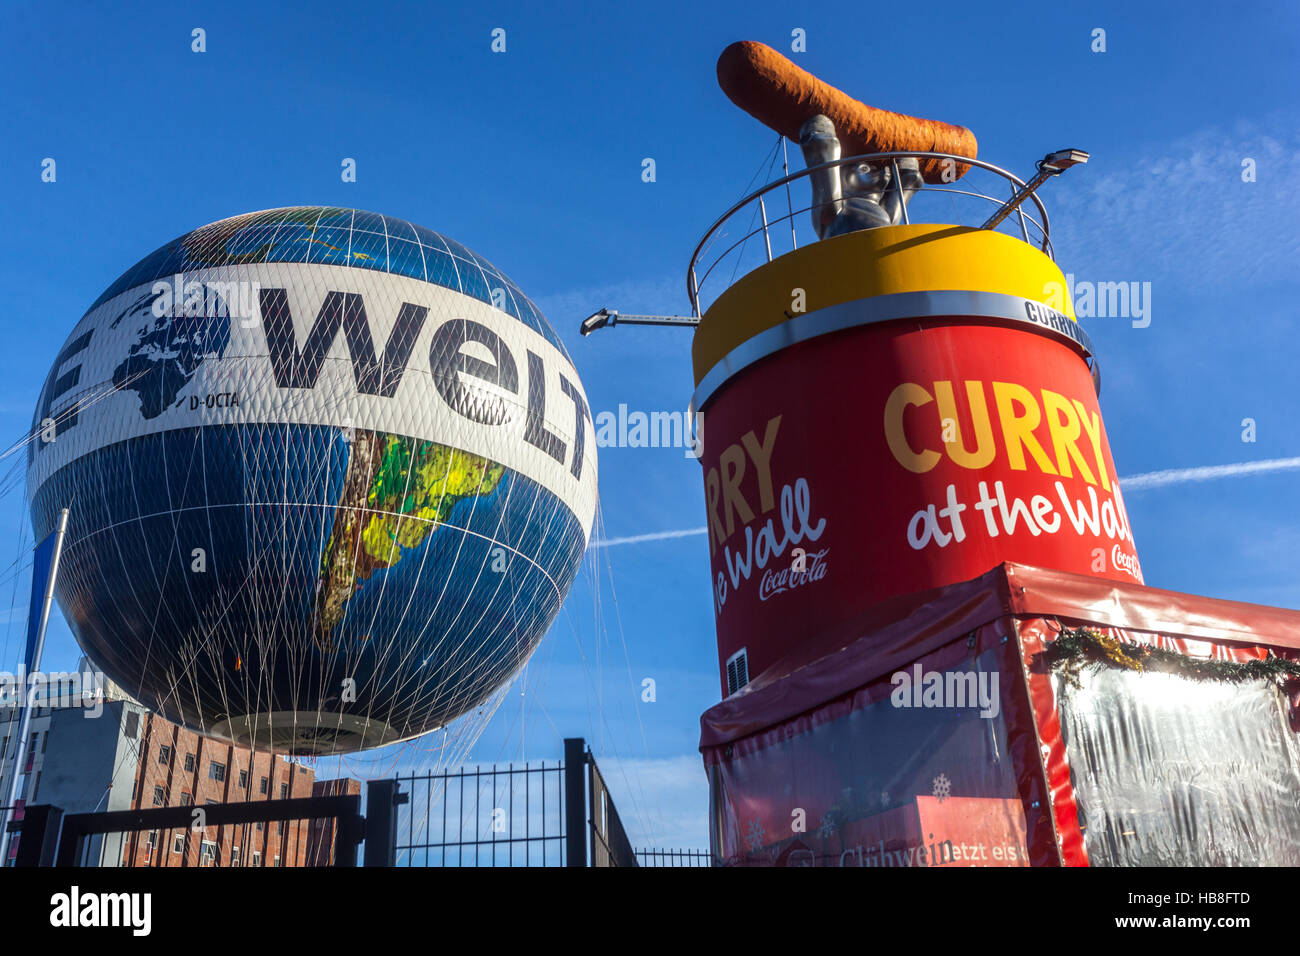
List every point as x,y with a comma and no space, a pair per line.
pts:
329,830
10,847
1035,230
609,842
511,816
555,814
545,814
669,858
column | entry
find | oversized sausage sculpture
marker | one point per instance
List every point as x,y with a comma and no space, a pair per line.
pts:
783,96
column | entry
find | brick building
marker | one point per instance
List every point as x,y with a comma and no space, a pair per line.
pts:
180,768
120,756
320,837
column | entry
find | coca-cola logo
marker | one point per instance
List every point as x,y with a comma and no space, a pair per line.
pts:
797,525
786,579
1125,562
758,526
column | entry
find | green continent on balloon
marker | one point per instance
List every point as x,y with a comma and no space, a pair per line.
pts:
397,492
421,480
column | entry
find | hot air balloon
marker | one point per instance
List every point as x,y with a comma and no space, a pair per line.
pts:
331,476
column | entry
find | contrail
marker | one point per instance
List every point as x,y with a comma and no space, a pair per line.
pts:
1181,476
1150,479
655,536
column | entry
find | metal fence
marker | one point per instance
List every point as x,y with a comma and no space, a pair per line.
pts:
335,825
10,848
512,816
547,814
544,814
674,858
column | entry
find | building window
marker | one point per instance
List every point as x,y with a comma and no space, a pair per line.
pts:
187,799
45,743
234,856
277,860
217,771
35,786
189,763
257,858
243,780
165,755
284,790
157,796
178,843
207,853
263,785
259,826
4,751
132,724
31,749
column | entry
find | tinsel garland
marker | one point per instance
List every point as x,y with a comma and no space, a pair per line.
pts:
1077,648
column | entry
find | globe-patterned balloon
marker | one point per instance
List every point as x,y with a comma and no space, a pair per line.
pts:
330,476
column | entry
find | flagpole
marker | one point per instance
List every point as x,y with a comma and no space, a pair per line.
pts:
33,666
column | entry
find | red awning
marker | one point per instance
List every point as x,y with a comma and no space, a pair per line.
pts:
892,634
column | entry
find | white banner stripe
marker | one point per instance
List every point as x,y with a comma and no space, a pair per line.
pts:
237,386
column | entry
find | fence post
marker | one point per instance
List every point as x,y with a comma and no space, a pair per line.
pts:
39,835
575,800
382,800
70,843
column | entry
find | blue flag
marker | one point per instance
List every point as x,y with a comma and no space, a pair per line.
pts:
41,562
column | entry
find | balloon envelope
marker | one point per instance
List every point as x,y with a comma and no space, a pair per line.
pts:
330,476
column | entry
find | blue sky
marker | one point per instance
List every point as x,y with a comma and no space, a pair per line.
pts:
533,159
